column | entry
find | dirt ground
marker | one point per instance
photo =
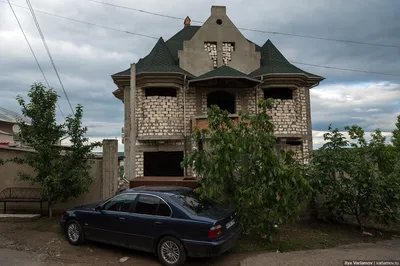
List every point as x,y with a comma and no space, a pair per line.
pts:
42,243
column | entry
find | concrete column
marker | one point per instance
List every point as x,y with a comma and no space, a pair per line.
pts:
309,123
133,125
220,62
127,131
110,168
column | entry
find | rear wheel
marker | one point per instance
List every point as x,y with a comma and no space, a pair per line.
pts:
74,232
171,252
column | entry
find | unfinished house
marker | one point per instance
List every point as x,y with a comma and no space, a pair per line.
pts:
166,94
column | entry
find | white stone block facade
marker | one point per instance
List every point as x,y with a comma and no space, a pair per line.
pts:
166,116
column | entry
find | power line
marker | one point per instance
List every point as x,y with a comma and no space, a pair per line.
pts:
253,30
33,53
48,52
345,69
156,38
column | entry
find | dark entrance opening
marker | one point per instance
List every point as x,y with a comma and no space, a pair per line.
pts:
224,100
163,163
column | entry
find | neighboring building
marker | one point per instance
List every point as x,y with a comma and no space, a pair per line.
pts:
167,93
7,120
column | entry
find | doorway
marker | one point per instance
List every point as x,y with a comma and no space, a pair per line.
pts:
163,163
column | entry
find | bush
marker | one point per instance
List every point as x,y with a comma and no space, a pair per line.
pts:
359,178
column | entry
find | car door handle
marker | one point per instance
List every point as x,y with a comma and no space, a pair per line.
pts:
157,223
122,219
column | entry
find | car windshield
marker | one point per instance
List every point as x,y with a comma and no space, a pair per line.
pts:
193,203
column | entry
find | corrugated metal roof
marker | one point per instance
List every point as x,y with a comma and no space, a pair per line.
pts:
10,116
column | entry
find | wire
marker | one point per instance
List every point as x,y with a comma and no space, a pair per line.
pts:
253,30
48,52
156,38
33,53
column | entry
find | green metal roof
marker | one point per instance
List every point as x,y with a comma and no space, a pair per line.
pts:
167,50
164,58
158,60
225,72
273,62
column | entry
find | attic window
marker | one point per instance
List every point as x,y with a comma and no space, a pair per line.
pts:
278,93
219,21
157,91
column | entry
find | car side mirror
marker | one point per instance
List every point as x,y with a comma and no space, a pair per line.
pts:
98,208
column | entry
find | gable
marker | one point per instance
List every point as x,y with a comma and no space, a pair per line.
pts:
220,32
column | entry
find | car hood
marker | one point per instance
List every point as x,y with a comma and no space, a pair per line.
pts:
89,206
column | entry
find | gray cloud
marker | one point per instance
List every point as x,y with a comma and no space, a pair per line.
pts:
86,56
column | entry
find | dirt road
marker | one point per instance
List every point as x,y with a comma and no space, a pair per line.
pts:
41,243
384,250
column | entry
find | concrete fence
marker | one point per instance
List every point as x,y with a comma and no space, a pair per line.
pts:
104,170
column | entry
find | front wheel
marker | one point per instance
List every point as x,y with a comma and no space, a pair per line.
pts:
171,252
74,233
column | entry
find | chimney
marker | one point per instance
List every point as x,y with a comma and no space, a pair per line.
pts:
218,10
186,22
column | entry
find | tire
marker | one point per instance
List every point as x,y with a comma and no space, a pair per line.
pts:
168,245
74,233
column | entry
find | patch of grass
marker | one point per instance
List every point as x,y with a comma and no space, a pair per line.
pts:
314,235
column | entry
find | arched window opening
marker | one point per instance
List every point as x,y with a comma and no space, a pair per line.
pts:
224,100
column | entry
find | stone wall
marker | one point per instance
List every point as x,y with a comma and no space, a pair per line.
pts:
297,150
251,100
104,184
306,150
290,116
159,115
139,163
204,106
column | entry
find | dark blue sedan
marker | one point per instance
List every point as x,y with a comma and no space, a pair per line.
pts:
171,222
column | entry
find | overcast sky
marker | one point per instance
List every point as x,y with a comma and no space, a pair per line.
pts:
86,56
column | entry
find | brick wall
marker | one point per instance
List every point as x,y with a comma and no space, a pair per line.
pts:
139,163
159,115
297,149
251,100
290,116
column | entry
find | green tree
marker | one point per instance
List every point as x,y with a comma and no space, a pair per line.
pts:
62,172
396,136
357,176
243,168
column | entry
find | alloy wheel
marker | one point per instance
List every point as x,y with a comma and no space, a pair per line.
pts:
73,232
170,252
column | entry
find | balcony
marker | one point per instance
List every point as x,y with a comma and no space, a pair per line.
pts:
201,122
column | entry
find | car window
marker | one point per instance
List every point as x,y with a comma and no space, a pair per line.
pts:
147,204
163,209
121,203
192,202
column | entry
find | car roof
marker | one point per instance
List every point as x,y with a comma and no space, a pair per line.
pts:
171,190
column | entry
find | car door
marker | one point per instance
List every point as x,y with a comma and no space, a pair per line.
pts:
108,223
150,217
